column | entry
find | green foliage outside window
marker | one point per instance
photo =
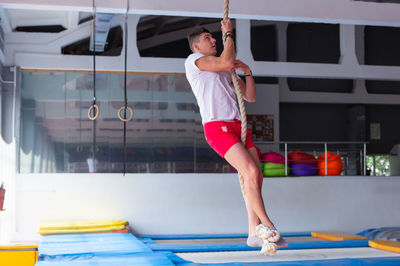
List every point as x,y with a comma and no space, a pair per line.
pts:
378,165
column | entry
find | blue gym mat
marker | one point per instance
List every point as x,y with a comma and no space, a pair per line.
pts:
123,249
382,233
104,249
96,244
146,259
390,261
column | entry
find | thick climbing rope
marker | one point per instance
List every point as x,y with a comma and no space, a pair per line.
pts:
269,236
125,106
240,100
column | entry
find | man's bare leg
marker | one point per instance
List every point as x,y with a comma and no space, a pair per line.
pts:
252,238
241,159
253,220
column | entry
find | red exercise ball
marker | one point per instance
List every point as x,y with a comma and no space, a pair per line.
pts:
301,157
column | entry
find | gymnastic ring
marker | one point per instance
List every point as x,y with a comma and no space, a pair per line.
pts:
125,119
95,106
92,150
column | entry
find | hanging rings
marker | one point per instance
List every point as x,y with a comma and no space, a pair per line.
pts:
95,149
94,107
122,118
125,107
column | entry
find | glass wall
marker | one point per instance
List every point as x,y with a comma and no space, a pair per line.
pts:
380,165
165,135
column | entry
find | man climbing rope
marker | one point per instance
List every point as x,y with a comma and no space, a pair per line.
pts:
210,78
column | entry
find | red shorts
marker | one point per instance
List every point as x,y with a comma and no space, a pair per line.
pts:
221,135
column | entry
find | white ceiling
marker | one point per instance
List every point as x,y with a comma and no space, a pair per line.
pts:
67,13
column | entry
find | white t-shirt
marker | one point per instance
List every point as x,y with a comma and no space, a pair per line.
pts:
214,92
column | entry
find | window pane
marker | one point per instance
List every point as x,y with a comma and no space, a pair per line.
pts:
164,136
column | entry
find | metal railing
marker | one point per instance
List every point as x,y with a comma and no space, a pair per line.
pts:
353,153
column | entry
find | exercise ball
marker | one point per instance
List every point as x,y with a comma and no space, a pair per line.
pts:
334,164
301,157
272,157
274,169
303,169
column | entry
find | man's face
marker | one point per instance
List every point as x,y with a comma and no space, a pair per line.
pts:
206,44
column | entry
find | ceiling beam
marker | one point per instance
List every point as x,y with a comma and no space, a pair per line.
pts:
328,11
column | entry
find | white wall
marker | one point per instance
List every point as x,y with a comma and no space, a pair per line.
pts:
267,104
7,175
204,203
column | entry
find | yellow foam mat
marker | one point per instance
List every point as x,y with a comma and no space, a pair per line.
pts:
335,236
18,255
79,230
392,246
81,227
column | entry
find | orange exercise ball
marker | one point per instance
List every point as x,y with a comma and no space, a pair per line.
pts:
334,164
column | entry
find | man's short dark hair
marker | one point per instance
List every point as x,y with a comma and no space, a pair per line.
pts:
194,36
